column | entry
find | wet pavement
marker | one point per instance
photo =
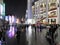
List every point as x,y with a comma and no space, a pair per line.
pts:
13,41
24,39
40,38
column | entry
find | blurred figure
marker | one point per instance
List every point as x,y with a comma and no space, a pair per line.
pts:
4,29
22,20
3,35
18,35
35,32
0,34
23,35
38,26
52,30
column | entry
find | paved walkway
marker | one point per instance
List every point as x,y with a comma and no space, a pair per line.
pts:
39,40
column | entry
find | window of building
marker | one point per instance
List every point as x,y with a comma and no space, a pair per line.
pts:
53,20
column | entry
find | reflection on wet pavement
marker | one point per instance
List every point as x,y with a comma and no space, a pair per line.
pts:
31,39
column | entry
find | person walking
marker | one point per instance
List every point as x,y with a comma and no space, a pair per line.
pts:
52,30
18,35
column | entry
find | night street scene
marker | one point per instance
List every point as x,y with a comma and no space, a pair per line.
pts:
29,22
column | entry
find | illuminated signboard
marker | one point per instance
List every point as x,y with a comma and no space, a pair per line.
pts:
2,9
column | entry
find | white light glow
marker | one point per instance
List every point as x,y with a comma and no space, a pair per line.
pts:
29,21
30,31
13,19
10,19
1,17
6,18
11,31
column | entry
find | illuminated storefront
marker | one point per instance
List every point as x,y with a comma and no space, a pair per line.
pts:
48,9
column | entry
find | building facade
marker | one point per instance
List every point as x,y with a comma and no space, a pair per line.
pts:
1,1
46,9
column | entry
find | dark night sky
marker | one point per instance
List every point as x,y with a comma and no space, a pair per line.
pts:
16,7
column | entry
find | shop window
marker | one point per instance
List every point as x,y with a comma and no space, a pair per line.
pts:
53,20
41,6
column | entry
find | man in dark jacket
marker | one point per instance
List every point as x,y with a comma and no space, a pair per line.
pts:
52,29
